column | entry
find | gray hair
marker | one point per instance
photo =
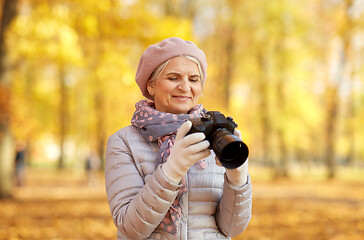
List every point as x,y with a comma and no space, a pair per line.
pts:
162,66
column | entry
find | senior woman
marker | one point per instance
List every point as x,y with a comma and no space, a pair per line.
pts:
161,182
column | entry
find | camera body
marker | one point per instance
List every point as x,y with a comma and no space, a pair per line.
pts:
219,131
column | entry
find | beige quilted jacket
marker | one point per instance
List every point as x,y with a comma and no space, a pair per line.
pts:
139,194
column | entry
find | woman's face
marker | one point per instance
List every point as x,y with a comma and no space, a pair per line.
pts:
178,86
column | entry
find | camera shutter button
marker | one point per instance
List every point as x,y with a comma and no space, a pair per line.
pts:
205,118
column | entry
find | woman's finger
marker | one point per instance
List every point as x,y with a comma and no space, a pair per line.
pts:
183,130
198,147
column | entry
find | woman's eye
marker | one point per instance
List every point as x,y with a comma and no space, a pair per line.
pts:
194,80
172,78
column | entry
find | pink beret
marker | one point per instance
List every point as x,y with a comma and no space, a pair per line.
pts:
157,54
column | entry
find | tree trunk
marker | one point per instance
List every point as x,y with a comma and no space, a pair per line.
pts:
6,139
351,131
342,74
282,168
228,68
331,123
352,112
100,126
263,91
229,48
63,115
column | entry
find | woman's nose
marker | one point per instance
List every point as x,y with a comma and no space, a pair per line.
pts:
184,85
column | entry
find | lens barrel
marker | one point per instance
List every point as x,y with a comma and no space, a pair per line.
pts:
229,149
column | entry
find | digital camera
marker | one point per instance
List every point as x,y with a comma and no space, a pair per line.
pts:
219,131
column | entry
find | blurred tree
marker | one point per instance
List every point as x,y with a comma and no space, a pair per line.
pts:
281,62
63,112
349,31
265,107
221,49
227,29
342,73
6,142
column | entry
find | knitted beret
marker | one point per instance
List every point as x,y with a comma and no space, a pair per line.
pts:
157,54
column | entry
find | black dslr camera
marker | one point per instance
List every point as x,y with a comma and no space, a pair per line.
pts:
229,149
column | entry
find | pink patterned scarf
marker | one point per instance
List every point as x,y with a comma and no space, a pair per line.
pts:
162,127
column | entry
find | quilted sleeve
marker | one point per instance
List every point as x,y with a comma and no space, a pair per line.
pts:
136,208
234,212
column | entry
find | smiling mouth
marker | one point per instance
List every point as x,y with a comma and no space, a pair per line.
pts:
182,98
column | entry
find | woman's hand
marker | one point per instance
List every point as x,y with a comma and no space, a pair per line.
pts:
238,176
187,150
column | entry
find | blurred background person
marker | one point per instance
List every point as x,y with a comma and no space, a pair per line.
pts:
20,163
92,167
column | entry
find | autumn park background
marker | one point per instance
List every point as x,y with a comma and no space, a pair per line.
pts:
290,72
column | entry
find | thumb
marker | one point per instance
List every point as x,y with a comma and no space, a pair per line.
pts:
237,133
183,130
217,161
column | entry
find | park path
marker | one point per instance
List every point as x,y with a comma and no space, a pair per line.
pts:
57,205
64,205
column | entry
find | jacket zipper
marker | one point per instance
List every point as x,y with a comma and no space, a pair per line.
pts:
184,217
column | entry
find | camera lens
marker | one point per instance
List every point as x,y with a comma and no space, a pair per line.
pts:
229,149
